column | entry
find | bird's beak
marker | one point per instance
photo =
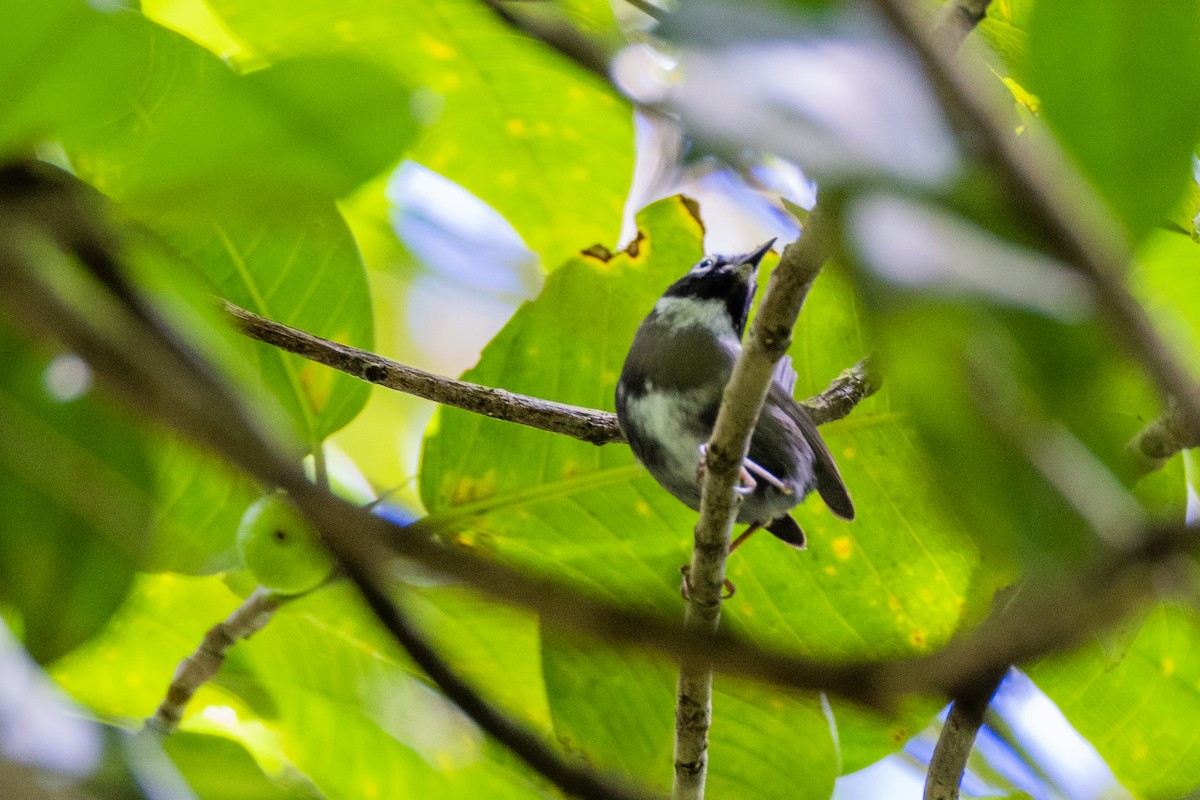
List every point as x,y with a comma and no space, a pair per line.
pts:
748,264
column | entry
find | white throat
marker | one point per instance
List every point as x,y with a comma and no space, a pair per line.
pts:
690,312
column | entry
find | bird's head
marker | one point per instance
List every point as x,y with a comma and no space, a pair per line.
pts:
716,293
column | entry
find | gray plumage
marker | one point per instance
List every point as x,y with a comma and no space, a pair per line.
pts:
671,386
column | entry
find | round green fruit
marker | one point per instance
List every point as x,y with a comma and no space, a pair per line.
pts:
280,548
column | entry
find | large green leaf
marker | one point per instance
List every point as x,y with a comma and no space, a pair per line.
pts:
167,128
238,171
1139,713
895,581
76,499
306,274
321,688
1116,80
549,146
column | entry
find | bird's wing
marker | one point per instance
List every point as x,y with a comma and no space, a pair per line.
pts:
829,480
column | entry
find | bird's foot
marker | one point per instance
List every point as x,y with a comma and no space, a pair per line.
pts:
766,476
746,483
685,588
746,534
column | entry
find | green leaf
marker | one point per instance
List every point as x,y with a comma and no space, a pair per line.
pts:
1139,712
216,768
1029,419
200,503
896,581
1116,80
306,274
554,156
176,133
495,648
76,499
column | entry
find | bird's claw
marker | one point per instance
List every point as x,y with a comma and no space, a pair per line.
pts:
746,483
685,588
766,476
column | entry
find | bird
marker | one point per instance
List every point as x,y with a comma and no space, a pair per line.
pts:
670,390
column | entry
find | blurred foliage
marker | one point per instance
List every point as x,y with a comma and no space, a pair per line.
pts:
996,448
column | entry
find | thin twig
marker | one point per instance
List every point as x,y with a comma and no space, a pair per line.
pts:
585,424
649,9
767,340
589,425
202,666
954,744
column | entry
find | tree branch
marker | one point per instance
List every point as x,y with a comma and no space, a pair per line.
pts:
589,425
949,760
768,339
144,362
202,666
586,424
1070,605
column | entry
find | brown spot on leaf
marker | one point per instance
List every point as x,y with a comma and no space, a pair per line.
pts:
693,209
635,247
598,252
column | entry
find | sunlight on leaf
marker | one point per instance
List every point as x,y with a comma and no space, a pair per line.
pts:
1137,712
554,156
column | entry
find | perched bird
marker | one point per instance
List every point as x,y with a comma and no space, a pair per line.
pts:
670,390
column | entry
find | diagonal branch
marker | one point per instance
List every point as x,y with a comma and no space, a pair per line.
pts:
144,362
202,665
768,339
560,35
587,424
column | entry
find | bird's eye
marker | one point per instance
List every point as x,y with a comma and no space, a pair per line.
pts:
705,264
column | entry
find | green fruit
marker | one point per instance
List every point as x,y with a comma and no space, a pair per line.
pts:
280,548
